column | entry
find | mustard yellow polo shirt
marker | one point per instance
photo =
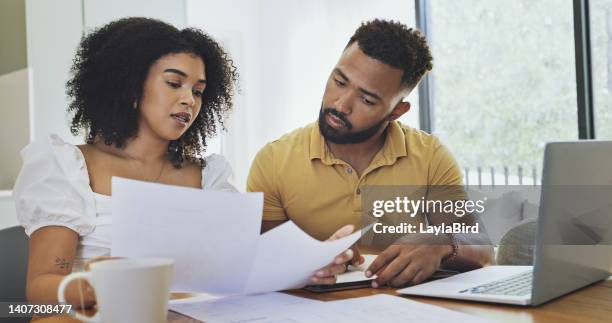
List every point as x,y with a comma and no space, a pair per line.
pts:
302,181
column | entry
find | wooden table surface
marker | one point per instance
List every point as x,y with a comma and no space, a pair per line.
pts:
590,304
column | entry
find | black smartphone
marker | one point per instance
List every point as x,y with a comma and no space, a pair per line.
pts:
438,274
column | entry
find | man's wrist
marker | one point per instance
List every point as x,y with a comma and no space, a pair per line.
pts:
452,248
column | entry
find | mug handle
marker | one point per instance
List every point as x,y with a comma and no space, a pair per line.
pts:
61,297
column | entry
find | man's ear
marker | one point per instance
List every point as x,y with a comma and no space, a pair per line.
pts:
399,110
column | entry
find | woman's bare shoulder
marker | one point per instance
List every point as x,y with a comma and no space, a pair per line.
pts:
189,174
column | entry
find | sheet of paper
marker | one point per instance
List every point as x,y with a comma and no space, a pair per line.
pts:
381,308
276,307
215,239
287,257
211,235
250,308
182,298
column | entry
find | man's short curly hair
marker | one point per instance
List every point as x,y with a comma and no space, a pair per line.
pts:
108,75
396,45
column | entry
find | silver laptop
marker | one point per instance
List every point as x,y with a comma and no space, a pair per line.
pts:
573,245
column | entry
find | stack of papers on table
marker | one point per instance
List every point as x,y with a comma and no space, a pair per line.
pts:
278,307
214,237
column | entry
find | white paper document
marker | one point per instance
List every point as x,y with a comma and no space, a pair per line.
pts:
211,235
247,308
215,239
287,257
382,308
277,307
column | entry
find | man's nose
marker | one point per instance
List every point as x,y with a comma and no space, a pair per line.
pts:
343,103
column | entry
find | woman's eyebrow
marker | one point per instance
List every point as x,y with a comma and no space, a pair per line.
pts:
181,73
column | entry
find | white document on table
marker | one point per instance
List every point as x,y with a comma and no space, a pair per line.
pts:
277,307
215,239
247,308
211,235
382,308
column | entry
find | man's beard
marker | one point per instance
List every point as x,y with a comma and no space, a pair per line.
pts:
337,137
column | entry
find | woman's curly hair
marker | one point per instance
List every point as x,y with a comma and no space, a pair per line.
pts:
396,45
108,75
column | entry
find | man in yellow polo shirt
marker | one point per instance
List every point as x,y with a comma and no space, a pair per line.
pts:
314,175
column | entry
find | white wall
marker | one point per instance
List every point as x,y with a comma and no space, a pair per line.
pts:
53,31
100,12
14,126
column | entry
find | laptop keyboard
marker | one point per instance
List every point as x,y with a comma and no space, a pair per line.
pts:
517,285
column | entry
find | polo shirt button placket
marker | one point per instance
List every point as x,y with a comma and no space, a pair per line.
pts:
349,170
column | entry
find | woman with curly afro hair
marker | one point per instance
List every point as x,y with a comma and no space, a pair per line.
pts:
147,96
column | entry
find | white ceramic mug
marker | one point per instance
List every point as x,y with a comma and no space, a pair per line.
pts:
127,290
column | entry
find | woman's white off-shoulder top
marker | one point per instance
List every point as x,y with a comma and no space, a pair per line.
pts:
53,189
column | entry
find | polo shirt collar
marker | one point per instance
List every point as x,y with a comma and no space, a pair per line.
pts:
394,147
318,148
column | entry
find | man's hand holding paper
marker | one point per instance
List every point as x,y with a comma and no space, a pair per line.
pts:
327,274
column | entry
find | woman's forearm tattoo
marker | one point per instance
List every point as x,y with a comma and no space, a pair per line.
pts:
62,263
